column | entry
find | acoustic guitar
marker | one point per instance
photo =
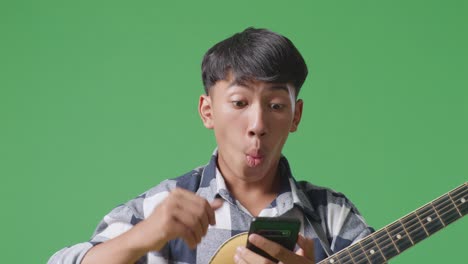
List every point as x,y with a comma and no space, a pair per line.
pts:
388,241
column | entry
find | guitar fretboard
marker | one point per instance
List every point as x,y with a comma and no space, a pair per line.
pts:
404,233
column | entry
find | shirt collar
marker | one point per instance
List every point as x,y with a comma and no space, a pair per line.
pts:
298,194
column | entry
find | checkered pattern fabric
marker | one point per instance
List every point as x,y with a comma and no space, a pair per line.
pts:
340,220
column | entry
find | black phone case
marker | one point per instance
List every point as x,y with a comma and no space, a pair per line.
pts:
281,230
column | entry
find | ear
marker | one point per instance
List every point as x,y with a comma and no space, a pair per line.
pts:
297,115
206,111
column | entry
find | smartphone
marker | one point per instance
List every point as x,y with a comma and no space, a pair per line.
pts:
282,230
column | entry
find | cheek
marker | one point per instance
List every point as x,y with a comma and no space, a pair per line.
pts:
282,121
224,122
228,124
280,130
230,118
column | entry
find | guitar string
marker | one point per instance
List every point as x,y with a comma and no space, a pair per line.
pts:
452,206
451,210
363,249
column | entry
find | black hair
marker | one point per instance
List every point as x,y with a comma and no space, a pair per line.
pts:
254,54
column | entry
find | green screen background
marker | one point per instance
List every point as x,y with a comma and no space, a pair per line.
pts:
98,103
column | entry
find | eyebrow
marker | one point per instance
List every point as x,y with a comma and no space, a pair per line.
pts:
274,87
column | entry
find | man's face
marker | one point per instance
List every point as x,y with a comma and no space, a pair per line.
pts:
251,123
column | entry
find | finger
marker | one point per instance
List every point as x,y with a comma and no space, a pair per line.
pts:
198,205
306,246
215,205
183,232
190,238
239,260
199,212
244,255
195,211
186,218
273,249
188,226
196,202
205,211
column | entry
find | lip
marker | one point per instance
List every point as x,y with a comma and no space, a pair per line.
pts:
257,153
254,158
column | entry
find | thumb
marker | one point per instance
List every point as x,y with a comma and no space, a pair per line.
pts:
216,203
306,247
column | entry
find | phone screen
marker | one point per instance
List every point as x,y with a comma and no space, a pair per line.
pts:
282,230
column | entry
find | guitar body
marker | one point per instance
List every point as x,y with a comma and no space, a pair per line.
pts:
225,253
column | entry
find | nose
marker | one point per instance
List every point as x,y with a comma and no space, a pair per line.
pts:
257,122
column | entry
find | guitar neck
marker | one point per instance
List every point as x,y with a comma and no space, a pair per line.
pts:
407,231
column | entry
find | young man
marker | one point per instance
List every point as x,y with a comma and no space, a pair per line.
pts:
252,81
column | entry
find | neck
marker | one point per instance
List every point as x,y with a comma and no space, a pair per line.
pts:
253,195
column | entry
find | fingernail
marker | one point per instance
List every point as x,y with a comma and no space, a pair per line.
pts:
239,249
236,258
252,237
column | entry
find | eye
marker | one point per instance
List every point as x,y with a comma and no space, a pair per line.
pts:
239,104
276,106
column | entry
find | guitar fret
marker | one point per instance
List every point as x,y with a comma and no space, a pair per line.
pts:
420,222
393,242
342,257
430,219
462,199
446,209
398,234
378,247
351,257
386,244
372,250
358,254
435,210
406,232
415,230
451,199
364,251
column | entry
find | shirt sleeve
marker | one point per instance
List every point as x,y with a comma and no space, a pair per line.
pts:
118,221
344,223
73,254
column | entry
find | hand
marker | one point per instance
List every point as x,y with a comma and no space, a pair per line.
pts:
182,214
305,255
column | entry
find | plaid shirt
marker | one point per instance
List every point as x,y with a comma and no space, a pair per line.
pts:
339,219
